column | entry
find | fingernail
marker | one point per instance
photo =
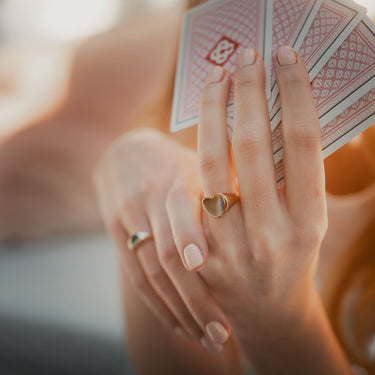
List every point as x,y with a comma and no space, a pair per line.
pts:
216,74
180,332
286,56
210,346
246,57
193,256
217,333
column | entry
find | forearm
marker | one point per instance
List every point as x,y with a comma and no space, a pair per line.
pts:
298,343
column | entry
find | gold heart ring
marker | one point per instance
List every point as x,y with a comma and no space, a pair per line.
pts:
219,203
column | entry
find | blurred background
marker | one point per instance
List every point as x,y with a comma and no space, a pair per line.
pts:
60,303
37,37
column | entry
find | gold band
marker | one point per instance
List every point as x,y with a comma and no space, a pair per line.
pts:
137,239
219,203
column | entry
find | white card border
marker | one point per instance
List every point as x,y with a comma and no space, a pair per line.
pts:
297,44
345,103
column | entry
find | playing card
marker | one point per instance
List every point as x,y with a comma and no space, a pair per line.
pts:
354,120
334,22
348,75
213,34
291,22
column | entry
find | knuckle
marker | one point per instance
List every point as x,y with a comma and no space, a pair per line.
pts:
305,135
208,161
247,144
133,197
293,79
129,206
176,194
210,95
167,256
157,276
247,78
147,186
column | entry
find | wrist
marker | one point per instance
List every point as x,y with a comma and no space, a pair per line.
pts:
277,317
257,311
284,341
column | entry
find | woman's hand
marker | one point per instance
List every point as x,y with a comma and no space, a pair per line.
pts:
264,250
272,238
144,177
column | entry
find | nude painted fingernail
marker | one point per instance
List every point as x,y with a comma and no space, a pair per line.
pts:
246,57
180,332
193,256
217,333
216,74
210,346
286,56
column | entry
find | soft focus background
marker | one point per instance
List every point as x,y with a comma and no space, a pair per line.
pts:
60,304
36,40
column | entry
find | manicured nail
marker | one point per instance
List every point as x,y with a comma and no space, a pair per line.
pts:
217,333
210,346
216,74
193,256
246,57
180,332
286,56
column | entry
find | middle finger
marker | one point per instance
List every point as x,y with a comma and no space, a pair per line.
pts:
252,146
213,145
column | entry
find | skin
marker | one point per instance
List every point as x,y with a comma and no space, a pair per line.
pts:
263,255
266,248
147,326
188,229
155,268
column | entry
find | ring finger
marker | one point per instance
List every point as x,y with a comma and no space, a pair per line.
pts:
146,254
138,280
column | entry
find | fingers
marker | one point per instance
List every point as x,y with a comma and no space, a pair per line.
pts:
213,145
138,279
252,147
190,286
184,208
303,162
215,164
134,220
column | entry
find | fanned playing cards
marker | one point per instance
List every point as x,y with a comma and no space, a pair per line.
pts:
335,39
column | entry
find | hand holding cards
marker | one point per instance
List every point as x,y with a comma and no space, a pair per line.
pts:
334,38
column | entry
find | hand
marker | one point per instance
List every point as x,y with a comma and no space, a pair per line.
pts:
269,243
142,176
264,250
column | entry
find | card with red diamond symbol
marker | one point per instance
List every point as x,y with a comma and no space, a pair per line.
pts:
213,34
